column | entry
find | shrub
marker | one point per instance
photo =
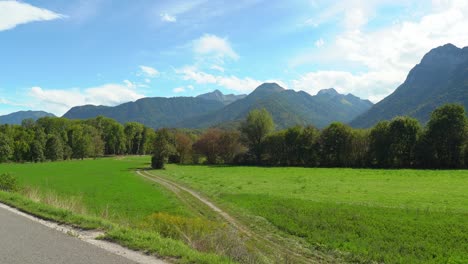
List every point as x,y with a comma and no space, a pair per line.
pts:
157,162
8,182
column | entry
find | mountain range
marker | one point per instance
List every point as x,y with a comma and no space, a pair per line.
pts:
155,112
287,107
17,117
226,99
441,77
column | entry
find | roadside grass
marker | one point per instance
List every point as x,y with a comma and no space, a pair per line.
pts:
390,216
55,214
149,242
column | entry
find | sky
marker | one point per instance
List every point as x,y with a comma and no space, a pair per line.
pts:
57,54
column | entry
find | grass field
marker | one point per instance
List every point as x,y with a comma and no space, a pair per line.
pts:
391,216
137,213
106,187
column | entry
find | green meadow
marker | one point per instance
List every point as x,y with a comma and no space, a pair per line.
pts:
352,215
105,187
389,216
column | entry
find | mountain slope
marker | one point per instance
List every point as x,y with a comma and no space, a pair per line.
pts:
217,95
154,112
288,108
17,117
441,77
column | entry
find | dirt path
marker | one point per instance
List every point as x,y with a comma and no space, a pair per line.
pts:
177,188
174,187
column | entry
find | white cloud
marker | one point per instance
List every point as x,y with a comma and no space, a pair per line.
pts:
229,82
319,43
178,90
191,87
149,72
129,84
14,13
384,56
217,68
215,46
58,101
165,17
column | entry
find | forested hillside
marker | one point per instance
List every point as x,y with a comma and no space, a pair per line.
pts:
440,78
154,112
287,107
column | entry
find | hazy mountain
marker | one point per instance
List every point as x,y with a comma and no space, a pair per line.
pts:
441,77
154,112
288,108
17,117
217,95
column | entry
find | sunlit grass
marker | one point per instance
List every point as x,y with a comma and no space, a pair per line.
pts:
391,216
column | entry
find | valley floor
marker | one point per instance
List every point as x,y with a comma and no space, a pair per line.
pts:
284,215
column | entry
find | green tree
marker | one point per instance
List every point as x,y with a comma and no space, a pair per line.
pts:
403,134
254,129
379,145
275,149
54,148
133,135
21,147
163,147
6,147
96,146
335,143
37,151
79,141
359,149
309,146
446,131
292,138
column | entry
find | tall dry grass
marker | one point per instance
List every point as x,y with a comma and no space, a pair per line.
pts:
73,203
203,235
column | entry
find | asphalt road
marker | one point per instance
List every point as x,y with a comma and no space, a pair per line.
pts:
23,241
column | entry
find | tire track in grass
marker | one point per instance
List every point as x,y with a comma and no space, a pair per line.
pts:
176,188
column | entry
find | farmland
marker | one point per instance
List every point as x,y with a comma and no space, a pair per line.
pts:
390,216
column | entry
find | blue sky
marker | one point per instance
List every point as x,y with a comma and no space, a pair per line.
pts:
57,54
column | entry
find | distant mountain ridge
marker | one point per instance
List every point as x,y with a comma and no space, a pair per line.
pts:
155,112
287,107
217,95
17,117
441,77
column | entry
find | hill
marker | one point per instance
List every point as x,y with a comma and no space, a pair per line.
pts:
441,77
287,107
217,95
17,117
153,112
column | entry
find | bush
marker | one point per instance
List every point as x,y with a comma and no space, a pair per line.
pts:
8,182
157,162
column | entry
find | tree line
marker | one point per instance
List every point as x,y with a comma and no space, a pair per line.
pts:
52,138
400,143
